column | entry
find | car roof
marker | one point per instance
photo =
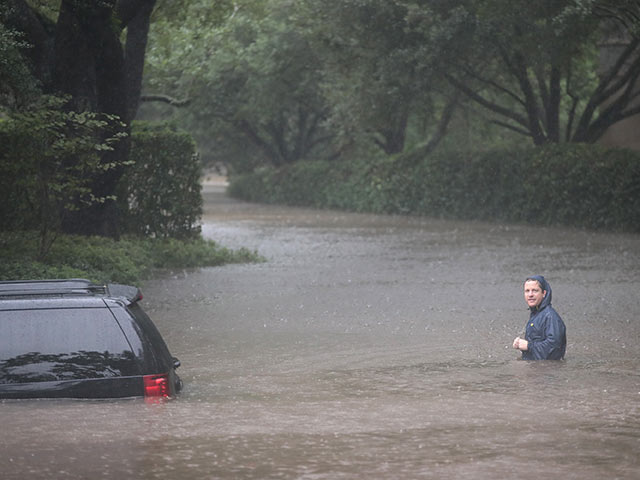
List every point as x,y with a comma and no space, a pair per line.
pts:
74,288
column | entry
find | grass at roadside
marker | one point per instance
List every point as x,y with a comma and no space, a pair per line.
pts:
129,260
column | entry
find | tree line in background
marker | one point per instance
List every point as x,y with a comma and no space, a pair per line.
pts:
275,82
577,185
279,81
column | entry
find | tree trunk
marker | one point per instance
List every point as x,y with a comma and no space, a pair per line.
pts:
395,134
552,108
136,46
91,67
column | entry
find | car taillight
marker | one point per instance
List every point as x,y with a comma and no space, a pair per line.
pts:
156,385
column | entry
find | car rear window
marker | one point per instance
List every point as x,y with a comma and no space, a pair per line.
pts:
62,344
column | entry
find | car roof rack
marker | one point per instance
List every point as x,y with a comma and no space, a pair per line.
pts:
72,286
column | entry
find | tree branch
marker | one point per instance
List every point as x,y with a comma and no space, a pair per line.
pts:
518,69
613,114
165,99
494,107
494,85
253,135
552,105
513,128
542,88
631,71
443,124
531,104
572,114
427,147
627,13
607,88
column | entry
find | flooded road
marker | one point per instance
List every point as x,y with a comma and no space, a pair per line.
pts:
367,347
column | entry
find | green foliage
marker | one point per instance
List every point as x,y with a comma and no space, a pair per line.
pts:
129,260
17,85
47,163
275,82
254,82
159,193
545,70
582,186
593,187
197,252
98,258
364,185
78,49
378,76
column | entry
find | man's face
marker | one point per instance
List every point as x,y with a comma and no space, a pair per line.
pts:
533,294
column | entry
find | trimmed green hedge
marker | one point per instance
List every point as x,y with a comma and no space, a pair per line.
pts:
584,186
160,194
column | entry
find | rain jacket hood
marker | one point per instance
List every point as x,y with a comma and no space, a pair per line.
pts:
546,301
545,332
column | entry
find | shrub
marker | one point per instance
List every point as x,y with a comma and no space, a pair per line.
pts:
97,258
198,252
160,193
128,260
585,186
48,161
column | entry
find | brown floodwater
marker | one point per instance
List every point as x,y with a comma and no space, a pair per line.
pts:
367,347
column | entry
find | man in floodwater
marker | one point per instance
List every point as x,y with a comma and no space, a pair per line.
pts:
546,335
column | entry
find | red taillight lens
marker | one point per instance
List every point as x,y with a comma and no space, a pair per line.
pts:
156,385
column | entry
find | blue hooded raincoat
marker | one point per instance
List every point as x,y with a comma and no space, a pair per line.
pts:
545,332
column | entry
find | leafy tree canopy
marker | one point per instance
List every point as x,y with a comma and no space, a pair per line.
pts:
276,80
17,85
383,85
535,66
252,81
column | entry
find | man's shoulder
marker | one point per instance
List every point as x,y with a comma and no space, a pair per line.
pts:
552,313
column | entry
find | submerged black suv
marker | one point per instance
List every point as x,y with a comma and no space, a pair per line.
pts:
75,339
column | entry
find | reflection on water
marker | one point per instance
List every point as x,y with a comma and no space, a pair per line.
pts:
368,347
